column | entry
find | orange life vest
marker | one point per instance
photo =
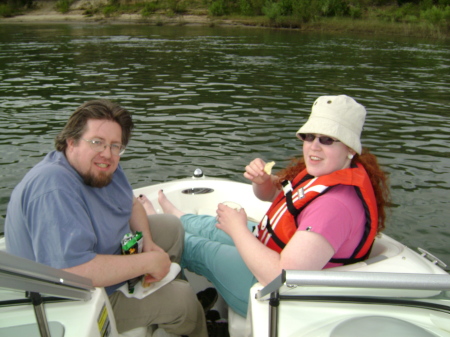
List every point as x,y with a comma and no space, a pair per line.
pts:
280,222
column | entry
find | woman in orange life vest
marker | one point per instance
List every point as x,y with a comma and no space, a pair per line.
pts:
327,214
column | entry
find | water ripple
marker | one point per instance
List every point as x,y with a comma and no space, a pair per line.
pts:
217,98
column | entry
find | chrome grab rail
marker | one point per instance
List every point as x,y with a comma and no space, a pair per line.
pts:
25,275
22,274
347,279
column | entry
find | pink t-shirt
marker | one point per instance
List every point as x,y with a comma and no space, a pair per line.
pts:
338,215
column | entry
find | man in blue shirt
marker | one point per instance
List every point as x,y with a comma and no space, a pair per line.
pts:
72,209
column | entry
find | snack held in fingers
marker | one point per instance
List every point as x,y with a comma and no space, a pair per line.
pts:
144,283
232,205
268,167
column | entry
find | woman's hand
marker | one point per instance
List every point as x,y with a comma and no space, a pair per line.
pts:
231,220
264,185
255,172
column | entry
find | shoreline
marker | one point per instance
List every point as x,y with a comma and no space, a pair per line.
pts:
120,19
45,13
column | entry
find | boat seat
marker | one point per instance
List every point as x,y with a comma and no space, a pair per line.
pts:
379,326
237,327
381,250
144,332
138,332
32,330
237,324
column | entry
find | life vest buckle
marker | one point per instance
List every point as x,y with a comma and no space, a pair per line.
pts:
287,186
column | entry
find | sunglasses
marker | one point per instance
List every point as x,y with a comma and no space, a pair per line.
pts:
324,140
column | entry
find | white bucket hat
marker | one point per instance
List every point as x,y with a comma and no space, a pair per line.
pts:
340,117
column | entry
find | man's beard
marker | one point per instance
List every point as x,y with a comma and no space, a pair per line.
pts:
102,180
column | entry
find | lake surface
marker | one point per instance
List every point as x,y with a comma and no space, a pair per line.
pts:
216,98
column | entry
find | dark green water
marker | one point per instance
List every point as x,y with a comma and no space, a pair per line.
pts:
216,98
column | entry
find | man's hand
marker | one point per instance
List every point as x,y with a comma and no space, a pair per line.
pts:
158,266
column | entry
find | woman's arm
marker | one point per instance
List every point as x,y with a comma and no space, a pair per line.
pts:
264,185
305,250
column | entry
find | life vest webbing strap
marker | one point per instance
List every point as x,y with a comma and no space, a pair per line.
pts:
367,229
274,237
366,234
290,206
346,261
352,260
287,189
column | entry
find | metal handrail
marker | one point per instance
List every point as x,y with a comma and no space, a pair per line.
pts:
357,280
36,279
23,274
347,279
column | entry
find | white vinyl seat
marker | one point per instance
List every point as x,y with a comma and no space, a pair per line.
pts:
137,332
237,324
144,332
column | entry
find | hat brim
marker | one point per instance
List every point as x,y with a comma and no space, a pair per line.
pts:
328,127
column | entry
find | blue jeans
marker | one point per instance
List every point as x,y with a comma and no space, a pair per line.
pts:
210,252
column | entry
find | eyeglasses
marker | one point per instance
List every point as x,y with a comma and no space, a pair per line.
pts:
99,146
324,140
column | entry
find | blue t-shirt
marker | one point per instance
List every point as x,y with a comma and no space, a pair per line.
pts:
54,218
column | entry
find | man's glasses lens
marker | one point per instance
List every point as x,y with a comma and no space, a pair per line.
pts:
99,146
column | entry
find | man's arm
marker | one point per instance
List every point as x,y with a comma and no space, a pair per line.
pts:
107,270
139,222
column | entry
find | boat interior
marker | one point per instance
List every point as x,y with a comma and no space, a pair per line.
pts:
37,299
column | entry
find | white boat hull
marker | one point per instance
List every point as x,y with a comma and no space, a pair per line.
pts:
201,196
388,255
311,319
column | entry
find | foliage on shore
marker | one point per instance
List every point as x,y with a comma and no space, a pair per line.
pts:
411,17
